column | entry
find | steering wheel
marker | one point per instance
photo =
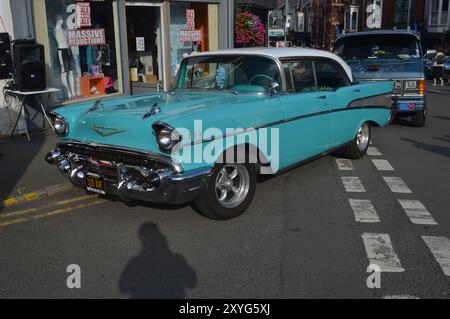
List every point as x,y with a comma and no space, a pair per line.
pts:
260,76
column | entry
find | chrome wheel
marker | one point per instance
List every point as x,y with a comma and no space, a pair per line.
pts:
232,185
363,137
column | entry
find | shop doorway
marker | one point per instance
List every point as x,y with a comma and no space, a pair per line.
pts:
145,44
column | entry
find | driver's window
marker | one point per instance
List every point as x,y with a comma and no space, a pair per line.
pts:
329,77
303,76
300,76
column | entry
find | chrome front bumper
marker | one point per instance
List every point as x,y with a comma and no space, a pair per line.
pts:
130,183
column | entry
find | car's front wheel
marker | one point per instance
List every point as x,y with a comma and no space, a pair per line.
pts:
419,119
358,147
230,191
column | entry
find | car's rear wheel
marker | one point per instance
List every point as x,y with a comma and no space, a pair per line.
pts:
419,119
230,191
358,147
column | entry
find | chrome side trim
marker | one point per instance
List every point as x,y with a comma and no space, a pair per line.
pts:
169,161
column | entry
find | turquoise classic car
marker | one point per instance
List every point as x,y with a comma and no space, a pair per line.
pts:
230,116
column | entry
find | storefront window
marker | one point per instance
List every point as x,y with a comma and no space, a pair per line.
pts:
82,48
193,27
144,44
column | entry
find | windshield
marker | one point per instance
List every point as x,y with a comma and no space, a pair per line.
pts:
389,46
251,74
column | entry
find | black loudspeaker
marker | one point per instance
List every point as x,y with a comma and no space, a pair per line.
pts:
6,70
29,67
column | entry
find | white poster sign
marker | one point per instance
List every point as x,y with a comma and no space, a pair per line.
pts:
140,44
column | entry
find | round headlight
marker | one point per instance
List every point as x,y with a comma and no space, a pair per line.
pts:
165,139
60,126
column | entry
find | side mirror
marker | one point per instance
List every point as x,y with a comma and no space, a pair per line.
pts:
275,88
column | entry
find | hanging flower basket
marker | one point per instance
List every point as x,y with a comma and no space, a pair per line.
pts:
250,31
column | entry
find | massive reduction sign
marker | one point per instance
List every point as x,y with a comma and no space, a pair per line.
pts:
190,35
84,37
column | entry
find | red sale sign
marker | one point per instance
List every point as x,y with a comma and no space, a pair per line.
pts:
190,19
84,14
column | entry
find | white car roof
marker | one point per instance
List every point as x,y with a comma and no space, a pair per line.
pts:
280,53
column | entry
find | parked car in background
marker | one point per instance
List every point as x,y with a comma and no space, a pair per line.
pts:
389,55
429,63
447,68
151,147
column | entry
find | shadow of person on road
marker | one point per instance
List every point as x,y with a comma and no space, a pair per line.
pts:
156,273
444,118
436,149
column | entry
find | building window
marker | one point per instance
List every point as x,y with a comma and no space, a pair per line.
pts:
300,22
80,41
351,18
439,13
194,27
403,12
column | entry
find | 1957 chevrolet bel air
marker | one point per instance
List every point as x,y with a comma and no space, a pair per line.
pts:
230,116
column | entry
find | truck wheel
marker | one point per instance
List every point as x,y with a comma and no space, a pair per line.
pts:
419,119
230,191
358,147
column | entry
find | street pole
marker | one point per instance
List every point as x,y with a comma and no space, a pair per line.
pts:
409,13
285,23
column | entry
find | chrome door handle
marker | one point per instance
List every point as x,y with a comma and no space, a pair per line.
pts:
357,91
323,97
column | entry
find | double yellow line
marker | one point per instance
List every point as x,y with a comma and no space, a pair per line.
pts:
22,216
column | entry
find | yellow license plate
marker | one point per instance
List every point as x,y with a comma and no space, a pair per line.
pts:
95,183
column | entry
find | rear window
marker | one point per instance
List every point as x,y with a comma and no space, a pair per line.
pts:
385,46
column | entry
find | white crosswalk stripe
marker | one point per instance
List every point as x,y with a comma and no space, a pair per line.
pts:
440,248
364,211
353,185
383,165
373,151
344,165
380,252
397,185
417,212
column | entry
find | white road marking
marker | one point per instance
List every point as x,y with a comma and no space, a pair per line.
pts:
397,185
353,185
400,297
345,164
417,212
364,211
373,151
380,252
382,165
440,248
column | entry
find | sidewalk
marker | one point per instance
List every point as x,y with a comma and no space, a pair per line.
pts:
24,173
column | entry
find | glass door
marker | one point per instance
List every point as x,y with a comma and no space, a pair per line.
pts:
144,35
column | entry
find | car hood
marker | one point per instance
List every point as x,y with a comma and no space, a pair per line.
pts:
387,69
121,122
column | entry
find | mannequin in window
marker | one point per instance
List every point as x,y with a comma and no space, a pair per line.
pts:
65,57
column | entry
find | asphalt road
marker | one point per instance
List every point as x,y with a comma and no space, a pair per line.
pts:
305,235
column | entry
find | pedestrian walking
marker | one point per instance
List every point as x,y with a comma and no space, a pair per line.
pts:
438,67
